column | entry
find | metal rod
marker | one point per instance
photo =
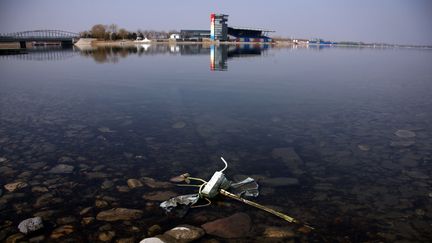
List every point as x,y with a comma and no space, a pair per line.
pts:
269,210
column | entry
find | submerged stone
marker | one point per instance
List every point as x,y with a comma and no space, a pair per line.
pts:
290,158
134,183
159,196
402,143
179,125
62,231
150,182
106,236
405,134
185,233
30,225
116,214
235,226
62,169
278,232
363,147
11,187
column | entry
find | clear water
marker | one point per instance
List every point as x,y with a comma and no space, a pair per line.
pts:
329,117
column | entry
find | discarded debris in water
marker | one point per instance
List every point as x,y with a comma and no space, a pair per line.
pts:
218,184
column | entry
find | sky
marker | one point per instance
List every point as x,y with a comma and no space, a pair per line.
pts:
389,21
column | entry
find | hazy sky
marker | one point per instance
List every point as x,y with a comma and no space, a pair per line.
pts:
391,21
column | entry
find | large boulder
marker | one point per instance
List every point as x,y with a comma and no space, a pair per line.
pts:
235,226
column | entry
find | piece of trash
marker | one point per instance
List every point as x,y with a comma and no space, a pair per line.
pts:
218,184
247,187
180,204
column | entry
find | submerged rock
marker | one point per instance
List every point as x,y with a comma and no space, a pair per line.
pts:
66,220
119,214
405,134
14,238
134,183
235,226
290,158
11,187
152,183
39,189
159,196
62,169
402,143
185,233
154,230
363,147
106,236
179,125
278,232
107,184
62,231
158,239
30,225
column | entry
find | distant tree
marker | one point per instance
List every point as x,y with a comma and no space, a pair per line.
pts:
98,31
113,28
85,34
122,33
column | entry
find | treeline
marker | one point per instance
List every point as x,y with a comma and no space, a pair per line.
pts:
113,32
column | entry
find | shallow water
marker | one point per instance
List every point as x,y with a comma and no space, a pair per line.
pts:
353,125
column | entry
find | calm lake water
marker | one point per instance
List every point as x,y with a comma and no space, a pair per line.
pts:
340,138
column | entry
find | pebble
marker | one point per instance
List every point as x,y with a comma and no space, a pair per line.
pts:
11,187
116,214
30,225
134,183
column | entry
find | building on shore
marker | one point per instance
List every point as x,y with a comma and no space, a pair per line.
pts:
220,31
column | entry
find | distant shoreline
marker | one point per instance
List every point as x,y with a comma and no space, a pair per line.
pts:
278,43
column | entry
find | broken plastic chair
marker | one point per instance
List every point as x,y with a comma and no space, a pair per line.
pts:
218,184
